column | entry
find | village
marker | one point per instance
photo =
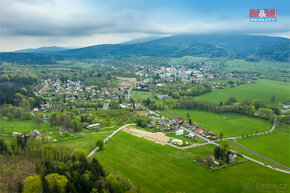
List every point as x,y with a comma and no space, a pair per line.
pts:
199,74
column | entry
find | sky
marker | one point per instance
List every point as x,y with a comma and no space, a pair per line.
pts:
79,23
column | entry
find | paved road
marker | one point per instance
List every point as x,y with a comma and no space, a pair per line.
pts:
109,137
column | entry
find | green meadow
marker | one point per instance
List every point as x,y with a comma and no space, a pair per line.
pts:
263,90
23,126
159,169
140,95
231,124
84,142
274,145
266,67
187,60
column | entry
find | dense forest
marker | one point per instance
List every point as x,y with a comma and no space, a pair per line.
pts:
15,86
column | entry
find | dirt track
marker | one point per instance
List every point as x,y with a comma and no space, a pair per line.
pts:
157,137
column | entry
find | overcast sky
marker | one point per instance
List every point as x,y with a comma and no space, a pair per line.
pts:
78,23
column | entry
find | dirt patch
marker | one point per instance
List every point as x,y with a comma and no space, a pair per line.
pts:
143,113
125,81
158,137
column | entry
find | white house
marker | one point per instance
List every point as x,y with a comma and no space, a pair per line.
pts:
179,132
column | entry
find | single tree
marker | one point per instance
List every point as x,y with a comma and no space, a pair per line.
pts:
100,144
221,135
210,161
38,119
273,99
10,116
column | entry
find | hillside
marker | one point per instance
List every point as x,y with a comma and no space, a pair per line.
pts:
42,50
152,48
206,45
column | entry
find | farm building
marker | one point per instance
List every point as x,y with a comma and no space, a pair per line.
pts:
94,126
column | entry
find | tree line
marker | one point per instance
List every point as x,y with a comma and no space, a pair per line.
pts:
249,107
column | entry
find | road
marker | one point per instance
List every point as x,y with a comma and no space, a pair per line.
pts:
109,137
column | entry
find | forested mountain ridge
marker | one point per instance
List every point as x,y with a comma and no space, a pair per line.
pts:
206,45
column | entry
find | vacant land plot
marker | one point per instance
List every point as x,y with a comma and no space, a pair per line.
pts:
126,81
174,170
229,123
262,90
158,137
274,145
141,95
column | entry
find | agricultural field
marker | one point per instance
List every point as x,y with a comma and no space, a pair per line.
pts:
229,123
273,145
275,68
263,90
174,170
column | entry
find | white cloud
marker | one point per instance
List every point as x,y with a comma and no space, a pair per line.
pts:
35,23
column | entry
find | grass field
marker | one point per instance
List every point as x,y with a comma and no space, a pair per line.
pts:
84,142
21,126
276,68
273,145
187,60
140,95
160,168
229,123
262,90
143,95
